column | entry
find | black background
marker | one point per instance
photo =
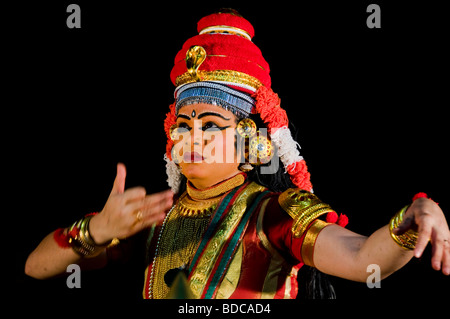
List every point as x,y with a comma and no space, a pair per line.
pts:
369,105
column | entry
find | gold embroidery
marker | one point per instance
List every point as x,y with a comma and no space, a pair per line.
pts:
219,75
303,207
183,230
231,279
214,247
179,241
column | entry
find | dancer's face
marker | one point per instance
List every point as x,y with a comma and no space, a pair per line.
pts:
205,144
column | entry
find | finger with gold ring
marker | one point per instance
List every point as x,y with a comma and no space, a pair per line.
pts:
139,216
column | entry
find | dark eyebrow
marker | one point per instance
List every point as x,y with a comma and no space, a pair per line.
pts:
183,116
213,114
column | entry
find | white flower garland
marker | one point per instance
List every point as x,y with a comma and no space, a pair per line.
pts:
286,146
174,174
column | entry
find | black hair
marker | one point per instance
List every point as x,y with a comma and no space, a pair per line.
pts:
278,181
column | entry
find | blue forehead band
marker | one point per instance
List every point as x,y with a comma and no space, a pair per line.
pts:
214,93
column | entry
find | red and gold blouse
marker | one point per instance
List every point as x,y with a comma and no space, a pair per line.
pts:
236,240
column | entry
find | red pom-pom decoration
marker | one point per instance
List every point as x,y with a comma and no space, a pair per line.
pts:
422,195
419,195
332,217
61,239
343,220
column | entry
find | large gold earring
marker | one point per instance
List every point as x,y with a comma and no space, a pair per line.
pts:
258,147
260,150
173,132
246,128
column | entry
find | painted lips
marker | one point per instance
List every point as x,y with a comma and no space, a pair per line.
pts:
192,157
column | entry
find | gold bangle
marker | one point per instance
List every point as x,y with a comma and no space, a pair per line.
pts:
408,239
81,241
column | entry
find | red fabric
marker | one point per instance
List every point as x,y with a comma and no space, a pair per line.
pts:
254,267
256,262
277,227
227,20
225,52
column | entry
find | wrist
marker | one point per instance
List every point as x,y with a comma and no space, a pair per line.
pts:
97,231
406,240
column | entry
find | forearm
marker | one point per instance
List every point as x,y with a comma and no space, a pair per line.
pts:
49,259
380,249
345,254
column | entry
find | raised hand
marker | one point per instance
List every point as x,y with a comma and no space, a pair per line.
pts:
427,218
127,212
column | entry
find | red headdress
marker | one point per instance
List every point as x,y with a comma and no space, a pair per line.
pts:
223,57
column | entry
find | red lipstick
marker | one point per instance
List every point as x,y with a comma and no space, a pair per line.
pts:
192,157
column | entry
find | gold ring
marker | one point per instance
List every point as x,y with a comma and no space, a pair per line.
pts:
139,216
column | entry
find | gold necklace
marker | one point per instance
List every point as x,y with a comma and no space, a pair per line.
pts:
189,207
217,189
202,203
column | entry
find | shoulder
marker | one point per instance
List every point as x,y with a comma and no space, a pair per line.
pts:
304,207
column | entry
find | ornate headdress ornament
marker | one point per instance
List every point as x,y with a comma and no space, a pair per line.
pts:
222,66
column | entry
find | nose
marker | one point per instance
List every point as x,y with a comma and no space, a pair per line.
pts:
196,135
